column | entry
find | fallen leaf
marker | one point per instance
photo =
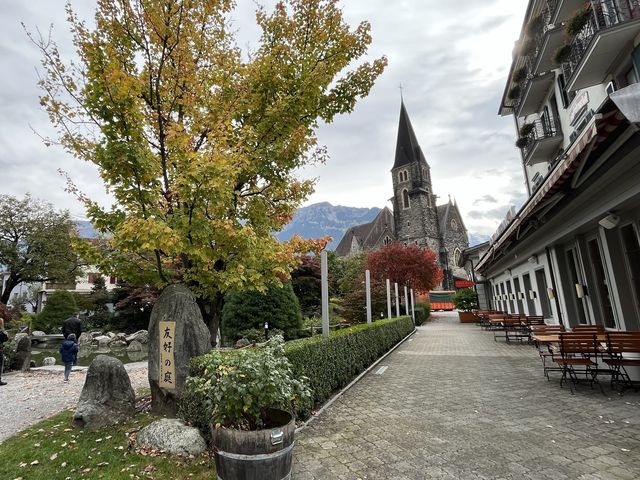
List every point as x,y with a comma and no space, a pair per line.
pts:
53,457
35,462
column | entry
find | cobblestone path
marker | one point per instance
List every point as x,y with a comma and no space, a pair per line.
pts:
454,404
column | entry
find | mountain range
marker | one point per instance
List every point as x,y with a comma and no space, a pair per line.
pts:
314,221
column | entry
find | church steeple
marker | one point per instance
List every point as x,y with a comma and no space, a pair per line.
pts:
407,147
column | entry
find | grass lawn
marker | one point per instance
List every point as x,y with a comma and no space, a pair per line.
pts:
53,449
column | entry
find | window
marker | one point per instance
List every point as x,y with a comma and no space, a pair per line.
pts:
454,224
403,176
405,198
631,248
91,278
541,280
456,256
567,97
112,280
531,305
386,241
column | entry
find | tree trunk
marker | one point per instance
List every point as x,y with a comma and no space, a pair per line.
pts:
12,282
212,315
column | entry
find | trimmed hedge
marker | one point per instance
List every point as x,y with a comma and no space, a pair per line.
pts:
328,363
331,363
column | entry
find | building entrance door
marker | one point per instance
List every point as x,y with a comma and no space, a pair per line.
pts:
604,308
575,302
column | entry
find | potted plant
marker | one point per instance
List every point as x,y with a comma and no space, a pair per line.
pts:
465,301
519,75
514,92
250,396
522,142
578,22
562,54
526,129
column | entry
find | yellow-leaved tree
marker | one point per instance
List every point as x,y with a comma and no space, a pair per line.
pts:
198,141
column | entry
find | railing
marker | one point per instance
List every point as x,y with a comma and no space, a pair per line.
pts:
604,14
542,128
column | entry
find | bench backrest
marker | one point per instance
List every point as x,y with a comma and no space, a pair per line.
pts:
623,342
542,329
588,328
572,343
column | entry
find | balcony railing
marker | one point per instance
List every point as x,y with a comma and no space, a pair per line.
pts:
605,14
543,128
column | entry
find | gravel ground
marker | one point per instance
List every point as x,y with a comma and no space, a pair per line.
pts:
30,397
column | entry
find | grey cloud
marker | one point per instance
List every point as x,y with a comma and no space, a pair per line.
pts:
485,199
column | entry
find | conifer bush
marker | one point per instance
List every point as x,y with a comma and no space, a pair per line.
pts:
60,306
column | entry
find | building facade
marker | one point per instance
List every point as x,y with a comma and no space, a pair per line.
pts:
416,218
572,252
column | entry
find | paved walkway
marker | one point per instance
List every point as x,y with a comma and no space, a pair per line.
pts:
30,397
453,404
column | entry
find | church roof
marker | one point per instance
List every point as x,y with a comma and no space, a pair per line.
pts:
407,147
445,212
368,234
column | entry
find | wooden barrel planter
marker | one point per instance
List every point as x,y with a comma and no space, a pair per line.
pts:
467,317
256,454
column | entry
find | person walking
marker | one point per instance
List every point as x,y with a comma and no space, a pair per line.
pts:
3,338
69,354
72,325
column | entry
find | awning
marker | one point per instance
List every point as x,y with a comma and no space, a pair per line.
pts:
597,131
463,284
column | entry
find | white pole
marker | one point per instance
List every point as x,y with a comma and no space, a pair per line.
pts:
388,298
413,306
397,302
324,272
367,281
406,301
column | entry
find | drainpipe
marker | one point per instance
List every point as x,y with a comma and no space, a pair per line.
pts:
553,285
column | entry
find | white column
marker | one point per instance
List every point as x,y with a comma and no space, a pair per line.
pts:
406,301
397,302
324,272
367,282
388,298
413,306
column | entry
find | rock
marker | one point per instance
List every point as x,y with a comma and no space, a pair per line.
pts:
103,340
107,396
32,364
111,334
191,338
135,346
121,336
172,436
117,343
141,336
38,333
48,362
95,334
85,340
243,342
21,347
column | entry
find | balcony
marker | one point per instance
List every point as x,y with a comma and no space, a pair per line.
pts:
612,25
534,93
541,141
564,9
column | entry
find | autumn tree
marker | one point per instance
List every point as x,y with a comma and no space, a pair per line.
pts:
197,140
35,243
410,265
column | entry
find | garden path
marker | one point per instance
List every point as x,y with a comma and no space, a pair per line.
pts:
453,404
30,397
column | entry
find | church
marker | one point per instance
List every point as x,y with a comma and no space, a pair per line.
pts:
416,218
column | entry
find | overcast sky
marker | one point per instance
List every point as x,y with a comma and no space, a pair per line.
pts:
452,58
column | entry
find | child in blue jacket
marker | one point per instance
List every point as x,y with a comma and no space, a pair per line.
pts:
69,354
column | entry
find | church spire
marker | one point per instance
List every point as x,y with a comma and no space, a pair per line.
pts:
407,146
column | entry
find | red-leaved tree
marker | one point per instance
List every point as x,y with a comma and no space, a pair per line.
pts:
409,265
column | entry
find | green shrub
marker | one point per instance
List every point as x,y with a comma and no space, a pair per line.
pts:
255,335
238,386
331,363
60,306
466,299
248,310
423,312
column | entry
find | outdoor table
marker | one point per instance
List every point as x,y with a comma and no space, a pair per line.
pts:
555,337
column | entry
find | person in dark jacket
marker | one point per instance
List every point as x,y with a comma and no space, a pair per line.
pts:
69,354
72,325
3,338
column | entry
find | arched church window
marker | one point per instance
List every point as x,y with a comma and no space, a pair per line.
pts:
454,224
386,241
456,256
405,198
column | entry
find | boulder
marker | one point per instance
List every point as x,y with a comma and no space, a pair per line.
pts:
141,336
85,340
21,347
243,342
95,334
191,338
38,333
48,361
135,346
107,396
117,343
172,436
111,334
103,340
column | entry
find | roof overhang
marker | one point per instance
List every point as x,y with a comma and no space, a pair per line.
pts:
566,8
